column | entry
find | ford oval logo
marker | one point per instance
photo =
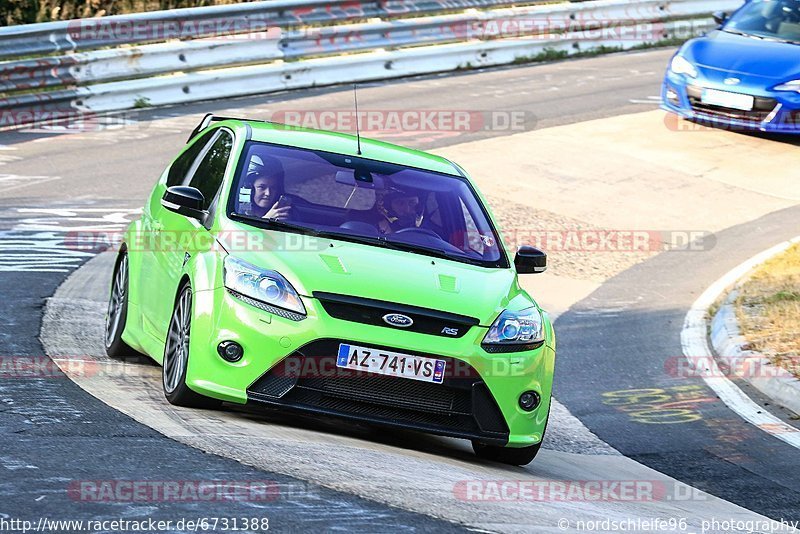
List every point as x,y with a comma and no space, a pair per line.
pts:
732,81
398,319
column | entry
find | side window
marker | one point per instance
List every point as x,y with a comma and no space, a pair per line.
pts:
474,240
210,172
180,168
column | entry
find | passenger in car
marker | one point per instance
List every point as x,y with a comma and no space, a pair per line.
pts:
399,210
267,198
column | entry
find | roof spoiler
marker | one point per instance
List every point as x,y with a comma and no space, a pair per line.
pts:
210,118
202,126
205,123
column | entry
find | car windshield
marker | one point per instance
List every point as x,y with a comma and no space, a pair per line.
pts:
357,199
767,19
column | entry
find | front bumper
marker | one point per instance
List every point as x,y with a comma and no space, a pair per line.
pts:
477,400
775,111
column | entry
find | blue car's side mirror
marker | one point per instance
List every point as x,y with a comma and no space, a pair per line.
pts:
720,17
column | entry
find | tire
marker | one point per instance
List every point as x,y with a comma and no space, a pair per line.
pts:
506,455
117,313
176,356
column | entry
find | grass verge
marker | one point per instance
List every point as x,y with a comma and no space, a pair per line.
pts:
768,310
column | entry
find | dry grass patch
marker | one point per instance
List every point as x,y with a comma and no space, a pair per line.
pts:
768,310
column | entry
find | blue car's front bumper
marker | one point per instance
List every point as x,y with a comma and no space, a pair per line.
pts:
774,112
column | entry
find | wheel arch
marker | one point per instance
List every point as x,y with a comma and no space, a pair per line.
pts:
185,280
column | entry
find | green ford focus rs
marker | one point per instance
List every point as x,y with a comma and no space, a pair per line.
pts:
319,272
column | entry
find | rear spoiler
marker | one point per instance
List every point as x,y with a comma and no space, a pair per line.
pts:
205,123
211,118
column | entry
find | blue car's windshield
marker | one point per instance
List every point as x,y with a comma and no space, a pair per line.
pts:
767,19
363,200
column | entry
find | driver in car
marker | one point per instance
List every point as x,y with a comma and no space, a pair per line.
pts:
399,210
267,199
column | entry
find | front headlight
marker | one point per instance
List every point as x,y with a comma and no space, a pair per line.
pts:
264,286
681,65
516,329
794,85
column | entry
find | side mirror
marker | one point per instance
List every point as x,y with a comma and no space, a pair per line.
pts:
720,17
530,260
185,200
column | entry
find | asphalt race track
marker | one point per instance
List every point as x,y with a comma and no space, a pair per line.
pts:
588,150
643,309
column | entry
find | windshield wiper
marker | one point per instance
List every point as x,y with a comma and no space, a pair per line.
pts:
382,241
781,40
743,34
275,224
430,251
773,38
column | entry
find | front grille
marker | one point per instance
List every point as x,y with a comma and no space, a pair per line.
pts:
761,108
388,391
372,312
308,379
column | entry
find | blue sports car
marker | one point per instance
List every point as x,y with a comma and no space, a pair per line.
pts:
745,75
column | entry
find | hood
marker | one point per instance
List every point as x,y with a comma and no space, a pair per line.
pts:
747,57
320,264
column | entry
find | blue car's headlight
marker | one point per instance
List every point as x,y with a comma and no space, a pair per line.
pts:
681,65
794,85
524,327
262,285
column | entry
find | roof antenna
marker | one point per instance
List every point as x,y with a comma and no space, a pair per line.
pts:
358,133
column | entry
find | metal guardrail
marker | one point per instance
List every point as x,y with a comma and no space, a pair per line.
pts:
190,23
276,58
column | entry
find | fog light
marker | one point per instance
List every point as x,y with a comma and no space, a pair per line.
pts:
230,351
672,96
529,400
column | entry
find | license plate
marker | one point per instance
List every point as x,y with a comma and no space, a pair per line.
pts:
390,363
725,99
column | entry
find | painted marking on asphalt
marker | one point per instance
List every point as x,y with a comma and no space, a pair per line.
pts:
15,181
8,158
655,100
40,252
75,219
694,341
47,241
656,406
13,464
